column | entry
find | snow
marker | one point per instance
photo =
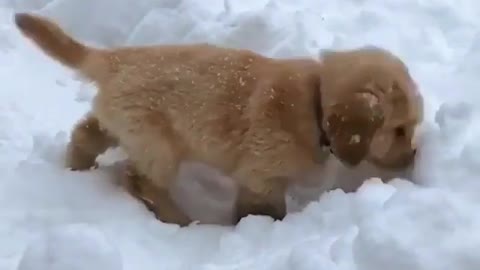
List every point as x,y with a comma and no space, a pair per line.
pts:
52,218
60,249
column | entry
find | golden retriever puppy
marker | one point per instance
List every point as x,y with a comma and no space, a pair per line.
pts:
259,120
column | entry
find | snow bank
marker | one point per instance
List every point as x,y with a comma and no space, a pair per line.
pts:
56,219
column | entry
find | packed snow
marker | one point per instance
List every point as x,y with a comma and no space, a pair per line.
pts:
52,218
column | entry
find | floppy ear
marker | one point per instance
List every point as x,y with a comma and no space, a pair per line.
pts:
351,124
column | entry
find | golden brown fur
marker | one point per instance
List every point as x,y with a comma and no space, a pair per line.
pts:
256,119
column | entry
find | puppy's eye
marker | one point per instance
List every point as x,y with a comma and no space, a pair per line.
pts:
400,132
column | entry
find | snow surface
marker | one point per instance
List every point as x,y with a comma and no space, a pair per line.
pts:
55,219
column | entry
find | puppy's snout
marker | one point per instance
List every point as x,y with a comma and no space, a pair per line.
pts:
414,152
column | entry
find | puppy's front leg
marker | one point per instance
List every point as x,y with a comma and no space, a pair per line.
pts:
87,141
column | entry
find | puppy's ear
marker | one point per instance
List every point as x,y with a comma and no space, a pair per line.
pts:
351,124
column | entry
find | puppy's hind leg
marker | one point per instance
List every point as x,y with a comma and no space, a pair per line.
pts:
266,197
157,200
140,187
156,157
88,140
264,180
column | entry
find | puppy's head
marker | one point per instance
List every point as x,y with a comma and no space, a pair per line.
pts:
371,108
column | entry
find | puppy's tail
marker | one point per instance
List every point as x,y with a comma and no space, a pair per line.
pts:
46,34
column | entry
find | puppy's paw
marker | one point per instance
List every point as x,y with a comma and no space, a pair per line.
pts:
172,216
77,160
250,203
264,209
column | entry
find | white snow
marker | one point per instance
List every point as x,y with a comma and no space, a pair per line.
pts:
75,247
54,219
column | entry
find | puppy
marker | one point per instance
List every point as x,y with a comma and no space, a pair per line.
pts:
258,120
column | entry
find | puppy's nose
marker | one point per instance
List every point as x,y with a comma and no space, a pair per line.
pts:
414,151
